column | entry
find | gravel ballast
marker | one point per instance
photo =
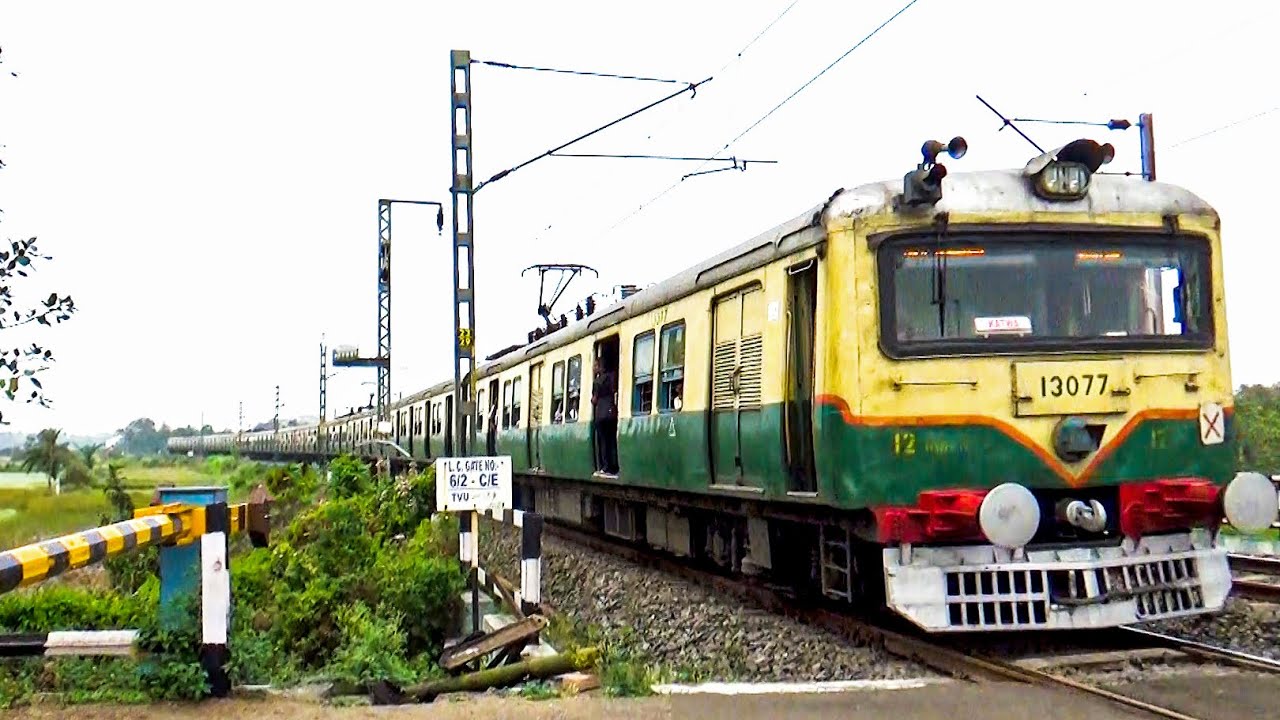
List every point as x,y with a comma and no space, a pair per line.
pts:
1244,625
684,627
703,635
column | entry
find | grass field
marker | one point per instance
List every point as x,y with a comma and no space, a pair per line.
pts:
28,513
138,476
31,514
21,480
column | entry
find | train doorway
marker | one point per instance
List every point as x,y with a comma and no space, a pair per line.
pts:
534,435
491,425
448,426
797,420
604,405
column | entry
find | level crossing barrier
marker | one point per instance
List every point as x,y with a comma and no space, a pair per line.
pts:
191,526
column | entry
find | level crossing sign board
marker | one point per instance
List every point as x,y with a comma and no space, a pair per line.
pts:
473,483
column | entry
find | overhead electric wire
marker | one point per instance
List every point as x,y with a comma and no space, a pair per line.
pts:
1224,127
736,57
759,35
627,156
588,73
693,87
766,116
813,79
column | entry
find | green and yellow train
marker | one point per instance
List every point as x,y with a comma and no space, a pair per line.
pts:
991,400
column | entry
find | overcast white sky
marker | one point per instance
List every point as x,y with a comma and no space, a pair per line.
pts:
206,174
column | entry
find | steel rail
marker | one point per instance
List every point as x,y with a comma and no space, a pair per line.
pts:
939,657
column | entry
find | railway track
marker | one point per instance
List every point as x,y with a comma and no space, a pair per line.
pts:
940,655
1256,589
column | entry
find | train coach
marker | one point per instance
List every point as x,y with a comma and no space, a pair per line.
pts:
990,401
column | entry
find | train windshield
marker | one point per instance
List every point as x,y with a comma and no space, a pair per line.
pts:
1047,290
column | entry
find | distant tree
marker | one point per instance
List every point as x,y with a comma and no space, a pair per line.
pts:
117,496
141,437
46,455
20,366
1257,417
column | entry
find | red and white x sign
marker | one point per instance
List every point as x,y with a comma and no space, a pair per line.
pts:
1211,424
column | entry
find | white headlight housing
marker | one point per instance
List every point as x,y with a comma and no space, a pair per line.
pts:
1062,181
1250,502
1009,516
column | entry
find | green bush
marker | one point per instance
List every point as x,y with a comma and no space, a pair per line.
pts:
372,647
220,465
60,607
358,586
404,503
422,583
168,670
348,476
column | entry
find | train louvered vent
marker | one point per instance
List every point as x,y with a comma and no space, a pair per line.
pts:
724,362
751,363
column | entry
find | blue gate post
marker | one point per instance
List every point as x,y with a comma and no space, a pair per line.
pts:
180,566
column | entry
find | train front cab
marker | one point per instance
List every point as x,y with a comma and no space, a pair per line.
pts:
1036,410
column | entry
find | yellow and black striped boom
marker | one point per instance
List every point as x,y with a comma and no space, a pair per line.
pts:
171,523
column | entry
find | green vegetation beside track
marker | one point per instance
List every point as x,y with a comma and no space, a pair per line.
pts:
359,584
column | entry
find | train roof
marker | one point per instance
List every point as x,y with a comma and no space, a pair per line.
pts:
962,193
972,192
1010,191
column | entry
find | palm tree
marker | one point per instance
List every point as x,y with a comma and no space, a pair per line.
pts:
89,453
48,456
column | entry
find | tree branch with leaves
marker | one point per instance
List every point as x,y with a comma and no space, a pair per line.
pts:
20,366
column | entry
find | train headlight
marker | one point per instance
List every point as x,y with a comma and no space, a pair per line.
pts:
1009,516
1064,174
1062,181
1250,502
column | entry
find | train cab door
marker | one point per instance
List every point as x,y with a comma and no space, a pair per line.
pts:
738,456
491,424
798,381
534,431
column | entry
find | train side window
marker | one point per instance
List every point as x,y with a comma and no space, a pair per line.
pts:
557,393
506,405
515,402
480,410
435,419
574,392
642,375
671,368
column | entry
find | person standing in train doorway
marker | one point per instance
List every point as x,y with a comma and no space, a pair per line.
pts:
604,414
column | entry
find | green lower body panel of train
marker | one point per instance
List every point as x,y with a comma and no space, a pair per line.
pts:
861,464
